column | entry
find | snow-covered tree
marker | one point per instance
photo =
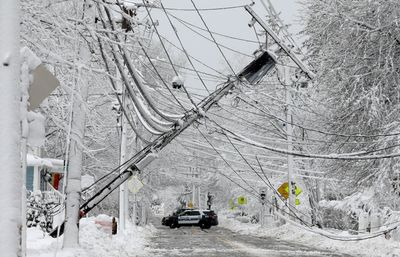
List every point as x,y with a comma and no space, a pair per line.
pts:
354,46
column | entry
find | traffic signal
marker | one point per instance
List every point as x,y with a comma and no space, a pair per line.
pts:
263,195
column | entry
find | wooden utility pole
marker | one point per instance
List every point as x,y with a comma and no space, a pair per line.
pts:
10,133
289,135
123,189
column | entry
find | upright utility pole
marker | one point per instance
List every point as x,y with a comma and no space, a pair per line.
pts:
123,190
193,192
199,197
10,133
289,134
24,148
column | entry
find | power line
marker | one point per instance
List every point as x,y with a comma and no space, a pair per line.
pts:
231,7
268,184
216,33
159,75
221,45
183,48
346,157
166,51
197,60
213,38
226,162
321,131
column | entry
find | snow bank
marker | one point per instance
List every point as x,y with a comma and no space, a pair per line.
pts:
94,241
375,247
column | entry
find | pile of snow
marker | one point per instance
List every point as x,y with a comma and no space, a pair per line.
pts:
95,240
375,247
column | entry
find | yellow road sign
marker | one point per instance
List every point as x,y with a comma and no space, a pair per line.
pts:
242,200
232,204
284,190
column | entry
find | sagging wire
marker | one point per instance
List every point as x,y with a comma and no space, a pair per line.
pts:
309,227
321,131
219,44
166,51
213,38
215,33
197,60
183,48
138,81
148,117
346,156
114,87
269,184
159,75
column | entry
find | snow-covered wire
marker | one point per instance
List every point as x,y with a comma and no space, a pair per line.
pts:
222,75
148,117
114,87
136,78
321,131
345,156
215,33
213,38
159,75
183,48
166,51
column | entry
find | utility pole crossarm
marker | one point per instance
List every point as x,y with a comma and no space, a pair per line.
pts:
288,51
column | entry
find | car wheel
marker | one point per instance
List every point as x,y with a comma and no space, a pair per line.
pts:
173,224
203,225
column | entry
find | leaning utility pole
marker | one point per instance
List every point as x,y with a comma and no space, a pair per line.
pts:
10,133
251,74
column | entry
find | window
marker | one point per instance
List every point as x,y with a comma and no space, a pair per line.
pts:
29,178
43,181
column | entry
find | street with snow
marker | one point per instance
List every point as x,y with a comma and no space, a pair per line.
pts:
199,128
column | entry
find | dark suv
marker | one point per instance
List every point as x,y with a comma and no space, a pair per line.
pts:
212,216
166,221
204,219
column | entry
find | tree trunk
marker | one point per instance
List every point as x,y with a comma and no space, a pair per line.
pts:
73,188
10,161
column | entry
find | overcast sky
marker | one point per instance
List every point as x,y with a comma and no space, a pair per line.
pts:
232,22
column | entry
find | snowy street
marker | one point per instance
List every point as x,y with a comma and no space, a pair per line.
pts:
221,242
167,128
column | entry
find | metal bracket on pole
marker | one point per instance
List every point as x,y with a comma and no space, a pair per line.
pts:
285,48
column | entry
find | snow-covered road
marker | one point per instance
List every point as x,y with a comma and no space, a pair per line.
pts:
217,241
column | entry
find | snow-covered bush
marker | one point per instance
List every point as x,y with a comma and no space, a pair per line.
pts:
338,219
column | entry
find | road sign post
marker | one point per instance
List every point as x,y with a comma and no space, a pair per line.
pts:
263,197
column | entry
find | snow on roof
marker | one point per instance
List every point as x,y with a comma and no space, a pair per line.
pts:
56,162
32,160
53,164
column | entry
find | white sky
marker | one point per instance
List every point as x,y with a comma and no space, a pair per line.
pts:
231,22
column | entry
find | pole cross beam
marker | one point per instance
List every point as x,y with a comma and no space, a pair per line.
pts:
285,48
